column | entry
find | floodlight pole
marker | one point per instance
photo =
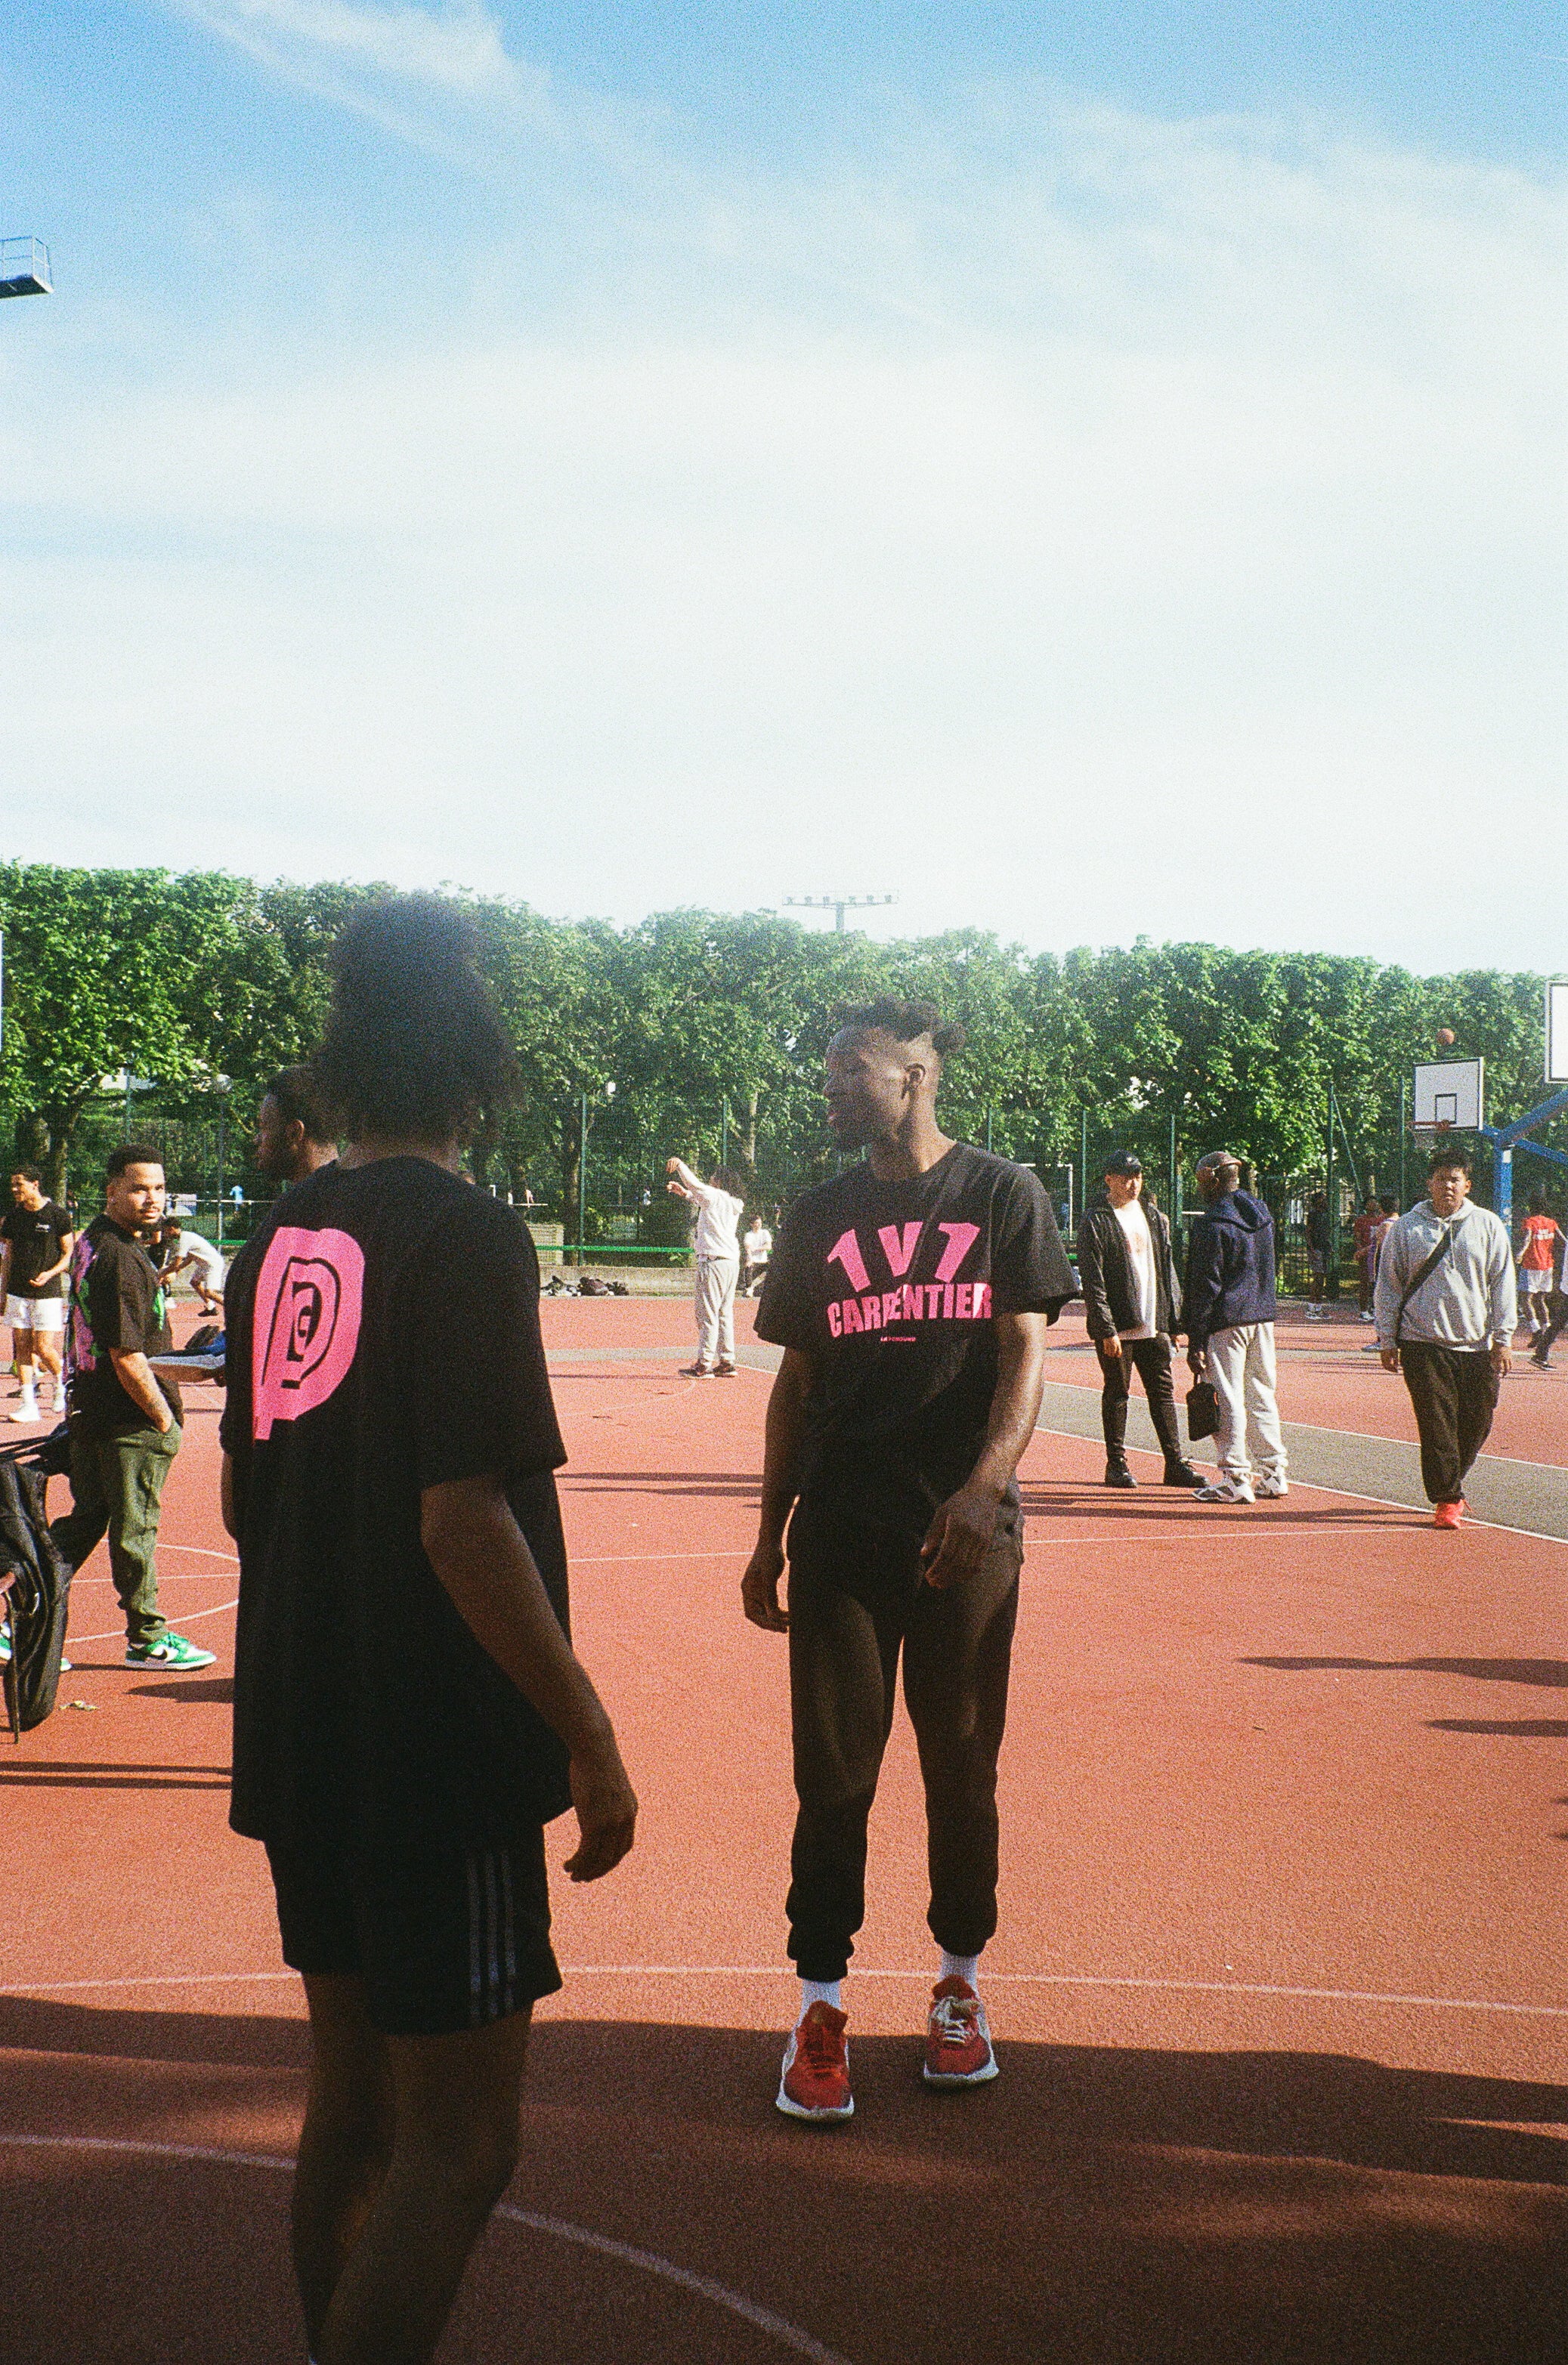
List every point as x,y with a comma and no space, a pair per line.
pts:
838,905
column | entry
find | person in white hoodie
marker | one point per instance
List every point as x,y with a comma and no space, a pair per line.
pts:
1446,1311
720,1206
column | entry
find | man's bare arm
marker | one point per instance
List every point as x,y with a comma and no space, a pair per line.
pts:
781,1484
962,1530
134,1373
481,1556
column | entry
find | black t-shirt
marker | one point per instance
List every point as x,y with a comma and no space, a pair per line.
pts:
890,1288
383,1338
116,1300
37,1235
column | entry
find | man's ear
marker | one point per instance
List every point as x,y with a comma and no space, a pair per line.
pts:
916,1072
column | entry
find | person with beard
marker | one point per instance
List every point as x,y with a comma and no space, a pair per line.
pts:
911,1295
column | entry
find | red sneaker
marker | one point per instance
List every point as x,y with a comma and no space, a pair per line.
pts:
815,2083
957,2039
1449,1515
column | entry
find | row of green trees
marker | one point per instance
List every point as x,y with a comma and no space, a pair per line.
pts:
693,1026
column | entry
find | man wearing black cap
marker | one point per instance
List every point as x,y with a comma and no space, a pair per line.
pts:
1130,1293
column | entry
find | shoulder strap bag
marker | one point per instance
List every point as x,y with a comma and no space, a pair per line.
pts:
1428,1268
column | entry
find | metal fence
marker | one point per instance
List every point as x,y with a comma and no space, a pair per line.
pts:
614,1203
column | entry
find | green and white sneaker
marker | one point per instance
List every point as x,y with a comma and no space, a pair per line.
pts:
65,1667
172,1652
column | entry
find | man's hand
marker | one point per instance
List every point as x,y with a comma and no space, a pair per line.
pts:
759,1589
605,1809
1111,1347
1389,1358
134,1372
1197,1362
959,1536
1502,1358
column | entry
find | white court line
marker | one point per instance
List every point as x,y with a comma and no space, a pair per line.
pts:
1346,1494
859,1971
776,2327
186,1619
212,1551
1067,1980
167,1577
1365,1437
162,1979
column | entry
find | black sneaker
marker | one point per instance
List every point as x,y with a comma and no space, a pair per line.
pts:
1118,1475
1181,1474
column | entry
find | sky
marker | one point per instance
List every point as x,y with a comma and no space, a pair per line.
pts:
1086,472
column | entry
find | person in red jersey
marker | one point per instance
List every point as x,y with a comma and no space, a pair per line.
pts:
911,1295
1538,1257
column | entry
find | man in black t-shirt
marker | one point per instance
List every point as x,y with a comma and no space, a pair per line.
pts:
911,1297
292,1142
124,1416
36,1241
408,1714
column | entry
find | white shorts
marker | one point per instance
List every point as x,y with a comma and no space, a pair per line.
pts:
35,1313
1535,1285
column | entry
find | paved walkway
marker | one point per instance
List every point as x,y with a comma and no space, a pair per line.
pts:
1529,1496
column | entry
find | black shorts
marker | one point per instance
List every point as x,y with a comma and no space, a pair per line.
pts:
443,1937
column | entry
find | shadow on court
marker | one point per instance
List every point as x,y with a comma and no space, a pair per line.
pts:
1096,2206
68,1774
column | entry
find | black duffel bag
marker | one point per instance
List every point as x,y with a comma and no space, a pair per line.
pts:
41,1590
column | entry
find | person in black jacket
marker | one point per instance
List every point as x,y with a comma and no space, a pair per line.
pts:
1228,1313
1130,1291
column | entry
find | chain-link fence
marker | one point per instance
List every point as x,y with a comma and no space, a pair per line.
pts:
591,1173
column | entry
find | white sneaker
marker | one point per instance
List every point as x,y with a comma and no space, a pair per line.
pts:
1367,1317
24,1408
1269,1490
1225,1490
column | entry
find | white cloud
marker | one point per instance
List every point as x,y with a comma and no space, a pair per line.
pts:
457,48
1009,523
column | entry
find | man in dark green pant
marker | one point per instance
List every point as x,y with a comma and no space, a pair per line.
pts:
125,1420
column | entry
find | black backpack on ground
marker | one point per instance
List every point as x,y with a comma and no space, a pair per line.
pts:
40,1591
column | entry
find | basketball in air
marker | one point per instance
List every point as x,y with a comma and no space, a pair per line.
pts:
1445,1037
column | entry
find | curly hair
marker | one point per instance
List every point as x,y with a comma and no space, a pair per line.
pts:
413,1047
903,1022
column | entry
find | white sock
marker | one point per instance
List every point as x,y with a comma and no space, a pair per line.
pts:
960,1967
821,1991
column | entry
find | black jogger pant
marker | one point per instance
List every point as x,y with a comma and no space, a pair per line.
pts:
1151,1359
855,1599
1454,1392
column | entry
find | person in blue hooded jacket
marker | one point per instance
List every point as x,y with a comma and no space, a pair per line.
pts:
1227,1313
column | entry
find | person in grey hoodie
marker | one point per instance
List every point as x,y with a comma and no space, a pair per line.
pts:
1450,1334
1229,1314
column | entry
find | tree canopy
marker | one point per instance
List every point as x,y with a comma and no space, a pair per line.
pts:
710,1027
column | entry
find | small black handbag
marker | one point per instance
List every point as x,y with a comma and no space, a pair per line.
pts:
1203,1410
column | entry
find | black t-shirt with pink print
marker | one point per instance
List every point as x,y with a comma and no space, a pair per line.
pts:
382,1339
891,1289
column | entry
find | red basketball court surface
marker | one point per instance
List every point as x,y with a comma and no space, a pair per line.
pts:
1278,1992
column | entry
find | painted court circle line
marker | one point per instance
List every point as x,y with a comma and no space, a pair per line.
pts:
187,1617
785,1970
778,2329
